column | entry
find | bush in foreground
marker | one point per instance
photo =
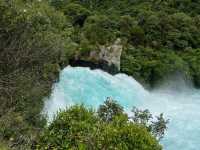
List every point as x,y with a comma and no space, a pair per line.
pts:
82,128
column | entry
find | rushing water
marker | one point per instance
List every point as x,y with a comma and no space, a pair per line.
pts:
180,103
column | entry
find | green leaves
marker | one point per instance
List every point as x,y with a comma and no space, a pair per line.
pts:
37,38
99,29
77,13
32,47
109,110
81,128
157,127
192,57
152,66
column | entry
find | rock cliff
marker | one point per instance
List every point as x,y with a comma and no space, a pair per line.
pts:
106,57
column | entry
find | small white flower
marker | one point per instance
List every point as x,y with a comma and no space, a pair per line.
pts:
24,10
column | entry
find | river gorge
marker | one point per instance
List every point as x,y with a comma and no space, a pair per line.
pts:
176,99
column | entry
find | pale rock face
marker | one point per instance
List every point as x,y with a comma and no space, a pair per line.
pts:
106,57
110,54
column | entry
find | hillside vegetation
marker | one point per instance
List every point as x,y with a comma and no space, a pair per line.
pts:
38,38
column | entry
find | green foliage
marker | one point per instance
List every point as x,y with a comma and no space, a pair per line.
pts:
163,27
76,13
159,126
99,29
127,23
156,126
141,116
109,110
3,146
130,29
184,33
192,57
151,66
37,38
80,128
32,46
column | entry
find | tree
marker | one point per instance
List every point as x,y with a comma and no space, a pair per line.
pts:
32,47
159,126
77,13
99,29
80,128
141,116
152,66
145,118
109,110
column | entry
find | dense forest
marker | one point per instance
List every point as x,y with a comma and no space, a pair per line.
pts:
38,38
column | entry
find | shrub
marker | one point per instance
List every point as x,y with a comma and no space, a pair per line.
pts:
80,128
32,41
152,66
99,29
77,13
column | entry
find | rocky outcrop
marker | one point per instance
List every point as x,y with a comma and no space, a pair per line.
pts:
111,54
107,58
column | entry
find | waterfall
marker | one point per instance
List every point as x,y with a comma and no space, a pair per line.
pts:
179,103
